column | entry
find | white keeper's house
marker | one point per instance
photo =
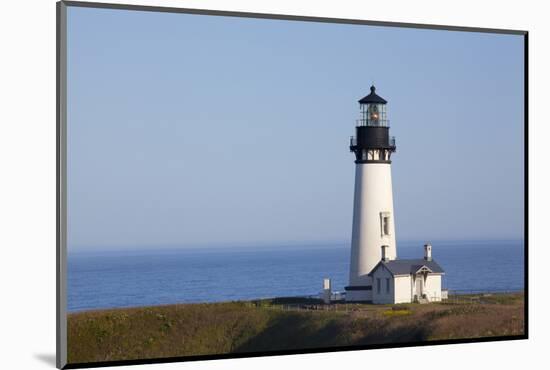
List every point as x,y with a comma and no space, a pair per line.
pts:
407,280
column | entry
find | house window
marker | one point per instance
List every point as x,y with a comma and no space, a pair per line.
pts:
385,223
387,285
378,286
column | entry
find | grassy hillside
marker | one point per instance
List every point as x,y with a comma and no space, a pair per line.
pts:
200,329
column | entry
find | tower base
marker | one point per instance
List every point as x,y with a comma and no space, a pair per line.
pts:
359,293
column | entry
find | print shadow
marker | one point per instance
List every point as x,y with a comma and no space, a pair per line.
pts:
46,358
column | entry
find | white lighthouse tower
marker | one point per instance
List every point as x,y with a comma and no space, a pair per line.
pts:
373,232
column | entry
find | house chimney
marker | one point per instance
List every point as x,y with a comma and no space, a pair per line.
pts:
428,252
385,253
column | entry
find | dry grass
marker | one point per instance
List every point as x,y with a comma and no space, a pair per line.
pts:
199,329
391,313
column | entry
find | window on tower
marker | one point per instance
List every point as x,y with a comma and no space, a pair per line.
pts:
385,222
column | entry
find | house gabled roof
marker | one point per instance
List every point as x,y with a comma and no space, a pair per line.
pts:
409,267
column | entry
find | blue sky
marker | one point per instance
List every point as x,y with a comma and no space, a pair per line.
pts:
187,130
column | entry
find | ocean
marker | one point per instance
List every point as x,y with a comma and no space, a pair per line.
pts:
99,280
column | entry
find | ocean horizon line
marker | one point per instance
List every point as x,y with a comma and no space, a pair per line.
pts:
267,246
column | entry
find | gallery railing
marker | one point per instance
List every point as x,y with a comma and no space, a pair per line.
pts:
372,122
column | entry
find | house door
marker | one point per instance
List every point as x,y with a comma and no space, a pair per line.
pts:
419,285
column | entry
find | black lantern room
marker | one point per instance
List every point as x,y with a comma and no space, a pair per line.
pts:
372,143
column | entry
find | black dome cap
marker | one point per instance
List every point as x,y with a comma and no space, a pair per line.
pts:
372,98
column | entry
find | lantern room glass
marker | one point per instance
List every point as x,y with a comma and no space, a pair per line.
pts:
373,115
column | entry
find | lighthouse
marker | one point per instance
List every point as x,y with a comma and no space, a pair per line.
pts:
373,231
